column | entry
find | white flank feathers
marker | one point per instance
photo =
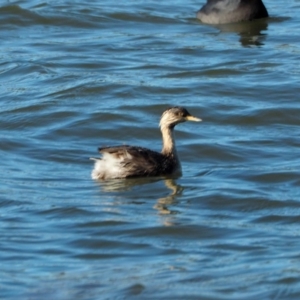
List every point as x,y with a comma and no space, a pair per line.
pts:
109,167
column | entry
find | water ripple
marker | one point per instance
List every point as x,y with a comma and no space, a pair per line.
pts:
77,75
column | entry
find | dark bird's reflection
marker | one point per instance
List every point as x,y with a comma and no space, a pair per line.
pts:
162,205
122,185
252,33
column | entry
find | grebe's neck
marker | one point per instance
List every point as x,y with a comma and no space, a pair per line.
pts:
169,147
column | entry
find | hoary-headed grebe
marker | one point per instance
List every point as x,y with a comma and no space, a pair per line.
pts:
130,161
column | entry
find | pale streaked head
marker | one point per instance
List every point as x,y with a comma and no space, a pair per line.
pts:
176,115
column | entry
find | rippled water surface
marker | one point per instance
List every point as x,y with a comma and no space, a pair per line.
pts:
75,75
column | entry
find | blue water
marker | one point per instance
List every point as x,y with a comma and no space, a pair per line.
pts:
76,75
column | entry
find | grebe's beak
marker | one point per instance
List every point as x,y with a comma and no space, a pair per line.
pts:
192,118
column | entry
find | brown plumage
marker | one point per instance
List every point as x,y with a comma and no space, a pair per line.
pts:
131,161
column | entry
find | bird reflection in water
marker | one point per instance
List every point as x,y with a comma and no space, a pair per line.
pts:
122,185
252,33
162,205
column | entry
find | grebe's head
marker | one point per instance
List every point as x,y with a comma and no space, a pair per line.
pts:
175,115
